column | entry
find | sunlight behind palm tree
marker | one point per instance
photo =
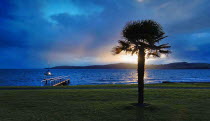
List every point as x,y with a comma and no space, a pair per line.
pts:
125,58
129,58
142,38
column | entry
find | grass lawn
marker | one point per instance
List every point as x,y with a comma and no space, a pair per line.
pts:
104,105
117,86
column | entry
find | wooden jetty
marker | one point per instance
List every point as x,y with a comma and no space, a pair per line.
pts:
56,81
65,82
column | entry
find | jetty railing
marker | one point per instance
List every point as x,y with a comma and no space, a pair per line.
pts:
56,81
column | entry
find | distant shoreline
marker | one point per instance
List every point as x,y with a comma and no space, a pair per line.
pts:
179,65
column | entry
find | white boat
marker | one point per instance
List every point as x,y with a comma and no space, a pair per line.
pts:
48,73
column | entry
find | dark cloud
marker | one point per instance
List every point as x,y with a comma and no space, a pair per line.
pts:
58,31
13,39
198,21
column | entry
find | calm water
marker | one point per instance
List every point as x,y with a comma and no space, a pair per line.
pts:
32,77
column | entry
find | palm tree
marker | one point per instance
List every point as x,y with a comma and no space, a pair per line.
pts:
141,38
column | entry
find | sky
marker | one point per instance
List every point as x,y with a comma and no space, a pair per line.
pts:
45,33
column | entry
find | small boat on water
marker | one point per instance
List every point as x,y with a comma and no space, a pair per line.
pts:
48,73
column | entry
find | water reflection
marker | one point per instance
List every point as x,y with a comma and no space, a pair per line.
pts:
32,77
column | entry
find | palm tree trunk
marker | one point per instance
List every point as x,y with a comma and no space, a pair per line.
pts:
141,62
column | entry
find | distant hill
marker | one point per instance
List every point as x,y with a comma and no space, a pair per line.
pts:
179,65
108,66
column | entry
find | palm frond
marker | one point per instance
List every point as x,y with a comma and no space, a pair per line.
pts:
134,50
164,51
123,46
116,50
164,46
145,34
158,47
153,54
157,39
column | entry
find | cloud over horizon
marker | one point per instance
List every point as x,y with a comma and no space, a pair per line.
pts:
77,32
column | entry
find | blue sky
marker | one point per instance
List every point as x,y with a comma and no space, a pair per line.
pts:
35,33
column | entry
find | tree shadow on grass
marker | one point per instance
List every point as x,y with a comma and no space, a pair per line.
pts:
142,111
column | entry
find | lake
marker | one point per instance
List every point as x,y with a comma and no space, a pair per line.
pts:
33,77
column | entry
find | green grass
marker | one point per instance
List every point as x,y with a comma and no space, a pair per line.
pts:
104,105
118,85
179,85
